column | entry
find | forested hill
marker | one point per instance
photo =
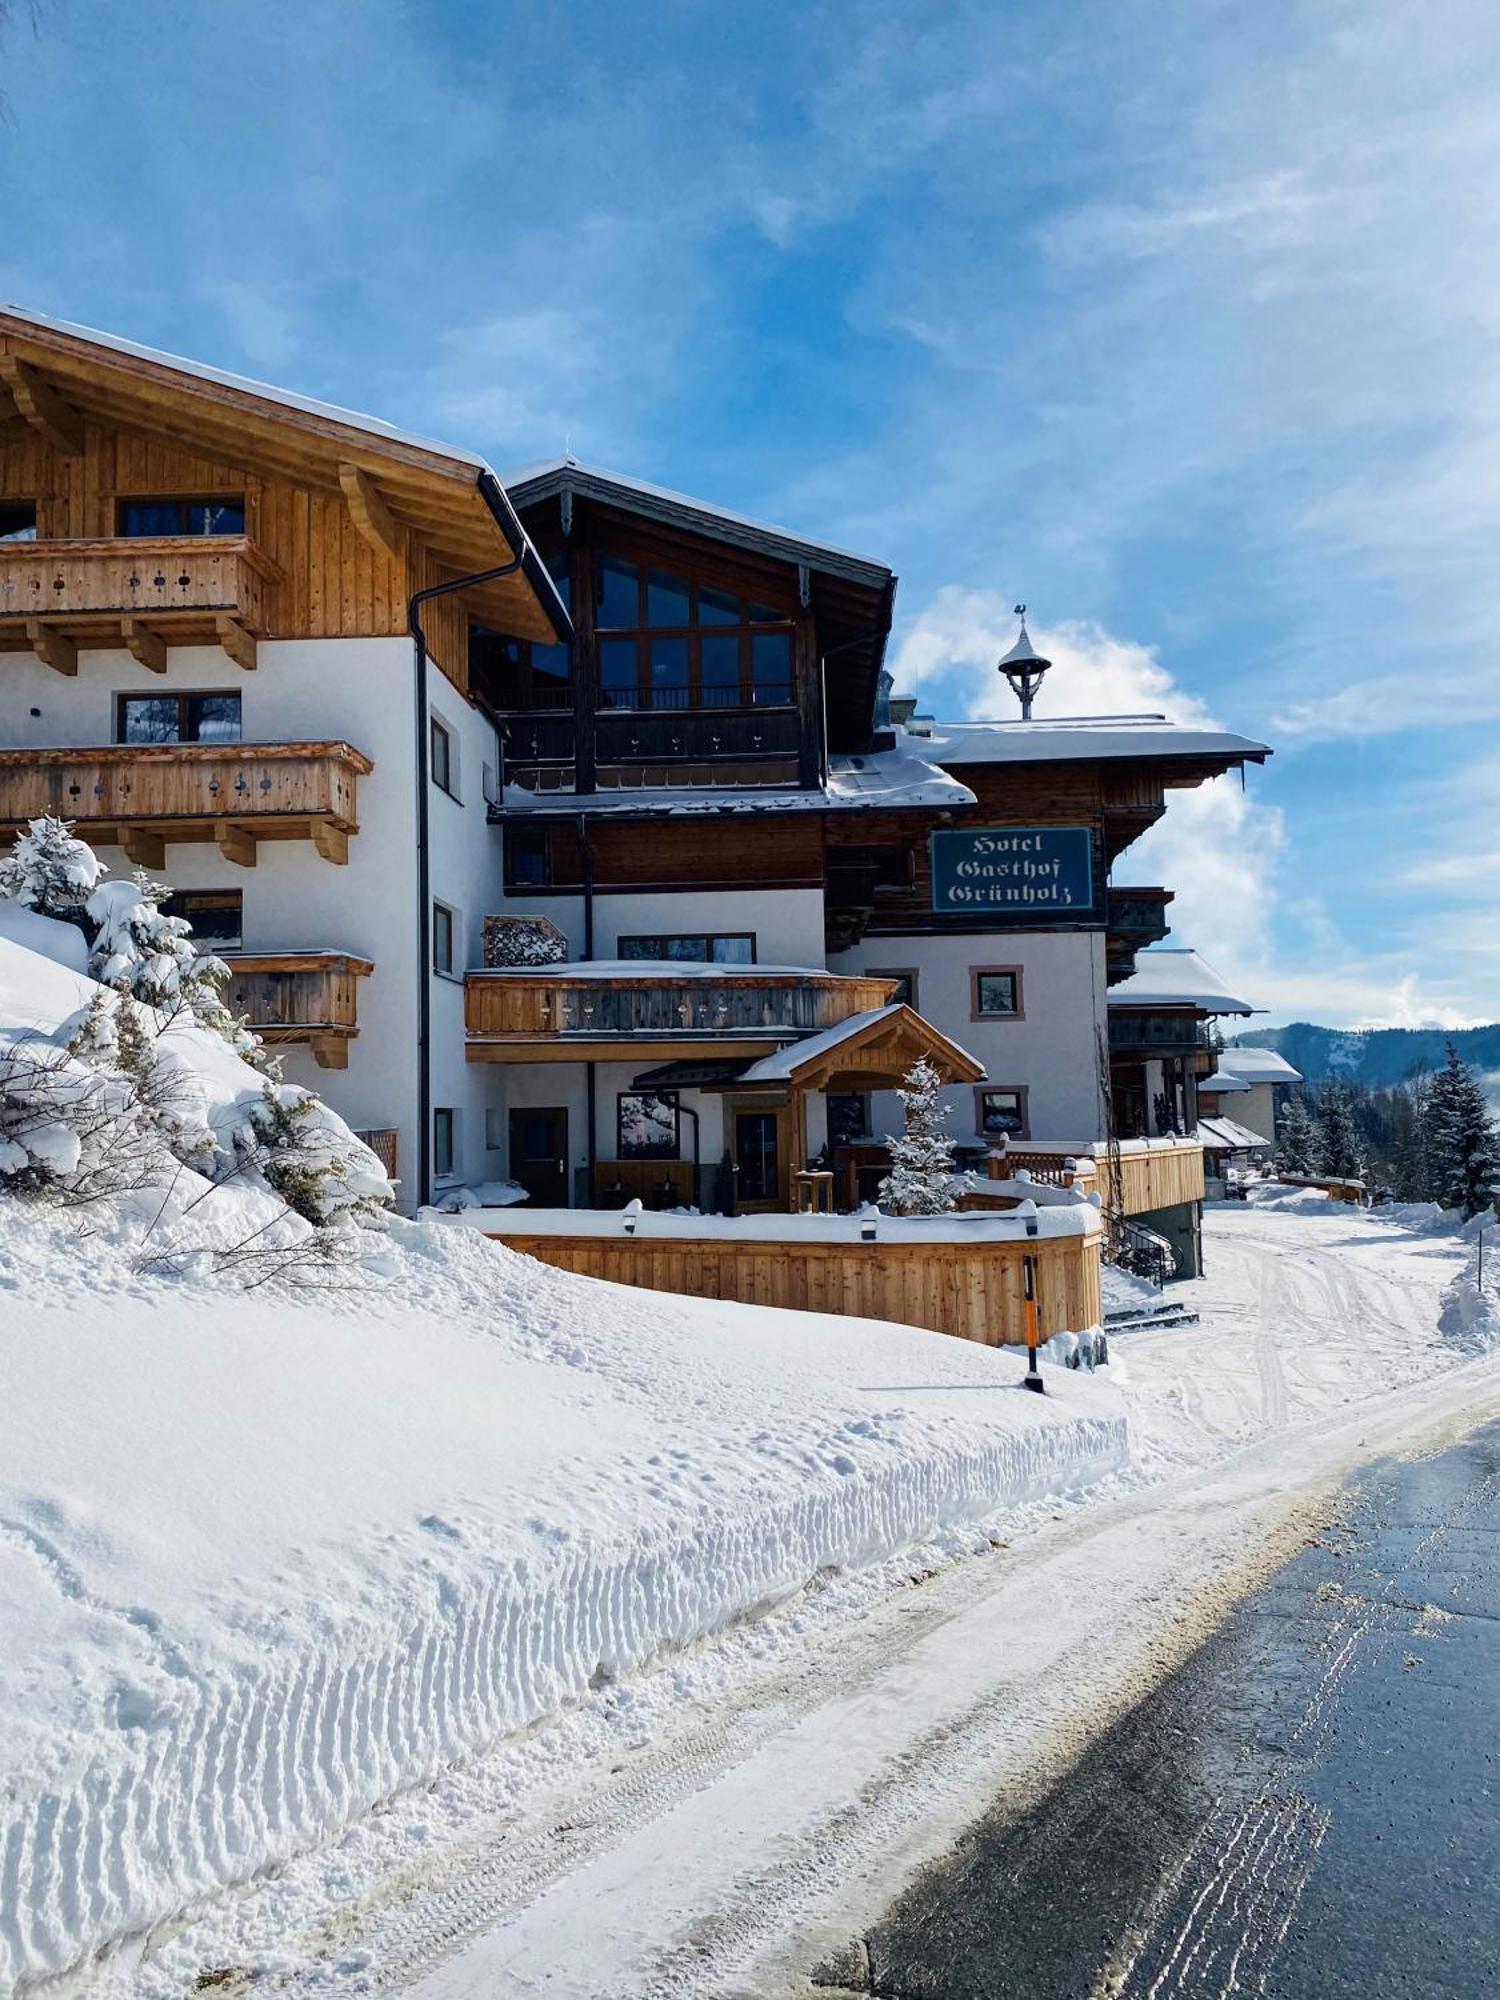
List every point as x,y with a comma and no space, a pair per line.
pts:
1376,1056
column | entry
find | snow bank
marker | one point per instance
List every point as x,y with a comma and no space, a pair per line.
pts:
269,1558
65,944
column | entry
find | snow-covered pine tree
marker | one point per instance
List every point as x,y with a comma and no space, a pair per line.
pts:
1410,1168
50,870
1462,1149
1338,1136
140,950
1297,1141
922,1180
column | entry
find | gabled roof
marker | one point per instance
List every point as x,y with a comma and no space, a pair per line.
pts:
905,1034
1171,976
1083,739
529,483
1220,1084
54,374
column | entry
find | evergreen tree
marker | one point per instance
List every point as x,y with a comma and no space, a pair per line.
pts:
1338,1151
1408,1165
1296,1146
50,870
1465,1161
140,950
922,1180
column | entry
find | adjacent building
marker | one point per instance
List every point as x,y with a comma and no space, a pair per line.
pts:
561,829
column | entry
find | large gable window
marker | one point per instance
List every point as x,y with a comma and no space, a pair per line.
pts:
669,642
170,516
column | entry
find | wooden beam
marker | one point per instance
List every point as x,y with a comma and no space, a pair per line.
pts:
371,515
236,641
39,403
54,649
331,1051
144,645
331,841
144,847
235,843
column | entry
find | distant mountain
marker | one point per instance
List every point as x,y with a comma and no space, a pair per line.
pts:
1376,1056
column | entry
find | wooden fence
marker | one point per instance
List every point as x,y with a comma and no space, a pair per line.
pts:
972,1289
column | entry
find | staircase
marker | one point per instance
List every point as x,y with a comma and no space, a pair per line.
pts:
1141,1319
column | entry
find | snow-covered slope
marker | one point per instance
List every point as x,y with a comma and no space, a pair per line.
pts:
270,1555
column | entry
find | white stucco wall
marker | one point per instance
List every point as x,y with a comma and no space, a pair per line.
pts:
359,691
787,924
1050,1050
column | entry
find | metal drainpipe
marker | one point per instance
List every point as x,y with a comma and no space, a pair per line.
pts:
495,499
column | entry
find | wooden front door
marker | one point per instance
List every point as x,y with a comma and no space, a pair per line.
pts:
539,1155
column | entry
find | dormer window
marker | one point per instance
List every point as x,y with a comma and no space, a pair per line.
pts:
170,516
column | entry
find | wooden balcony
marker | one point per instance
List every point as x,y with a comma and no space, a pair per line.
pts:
568,1014
58,598
309,997
146,796
1134,918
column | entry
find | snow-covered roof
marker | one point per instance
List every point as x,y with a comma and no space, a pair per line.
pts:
288,398
778,1068
874,780
530,483
1074,738
1173,976
1222,1135
1260,1066
1221,1082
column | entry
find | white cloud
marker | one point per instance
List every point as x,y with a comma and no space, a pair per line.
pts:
1219,847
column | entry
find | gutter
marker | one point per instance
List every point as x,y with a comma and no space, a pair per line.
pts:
531,566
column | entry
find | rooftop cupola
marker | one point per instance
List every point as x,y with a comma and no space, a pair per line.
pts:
1023,666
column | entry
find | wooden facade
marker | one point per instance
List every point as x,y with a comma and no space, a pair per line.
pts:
347,521
309,997
1161,1176
141,795
765,1007
974,1290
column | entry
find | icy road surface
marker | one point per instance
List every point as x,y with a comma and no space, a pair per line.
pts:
722,1822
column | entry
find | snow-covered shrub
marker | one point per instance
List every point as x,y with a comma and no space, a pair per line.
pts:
140,950
922,1179
310,1158
521,941
49,869
69,1130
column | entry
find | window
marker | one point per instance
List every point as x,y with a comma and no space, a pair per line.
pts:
668,642
17,520
216,915
172,516
444,763
848,1117
693,947
647,1125
444,1142
905,982
528,857
1002,1112
995,993
178,718
442,938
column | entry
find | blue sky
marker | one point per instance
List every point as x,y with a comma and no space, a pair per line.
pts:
1181,323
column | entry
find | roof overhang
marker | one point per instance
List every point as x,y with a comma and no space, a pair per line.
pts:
429,503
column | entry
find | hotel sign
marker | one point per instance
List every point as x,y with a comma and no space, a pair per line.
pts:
1013,871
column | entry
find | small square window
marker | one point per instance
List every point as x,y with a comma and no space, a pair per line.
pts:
444,762
17,521
442,938
444,1142
528,857
995,993
904,979
1002,1112
848,1117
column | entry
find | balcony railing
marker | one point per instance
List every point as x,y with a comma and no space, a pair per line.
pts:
300,996
678,696
57,597
143,796
1137,1030
741,1011
1138,914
